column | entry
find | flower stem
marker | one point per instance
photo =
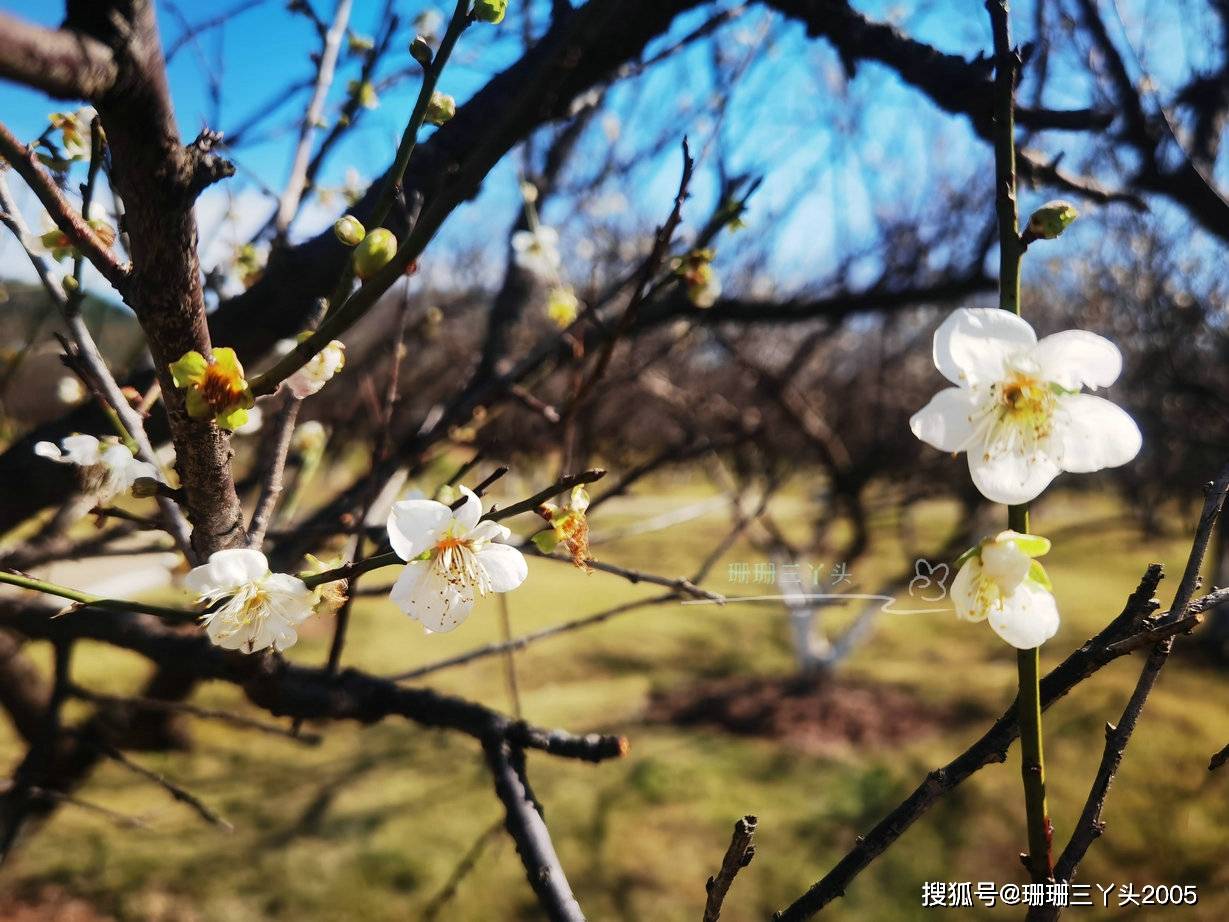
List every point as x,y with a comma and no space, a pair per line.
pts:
1011,250
85,600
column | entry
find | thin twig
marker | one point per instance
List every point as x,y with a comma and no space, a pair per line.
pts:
737,857
468,861
25,162
176,791
288,206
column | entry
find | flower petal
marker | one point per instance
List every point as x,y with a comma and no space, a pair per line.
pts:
504,565
1007,477
51,451
226,359
489,531
425,595
290,597
964,591
469,512
189,369
1091,433
1004,562
415,525
972,345
1027,618
84,450
946,422
1077,358
226,570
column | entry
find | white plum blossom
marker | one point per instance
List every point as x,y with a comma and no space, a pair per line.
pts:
452,559
1017,409
69,389
1002,583
318,371
537,251
256,609
107,466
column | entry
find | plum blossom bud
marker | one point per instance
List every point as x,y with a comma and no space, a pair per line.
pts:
350,230
492,11
365,93
374,253
420,51
562,306
441,109
696,272
1050,220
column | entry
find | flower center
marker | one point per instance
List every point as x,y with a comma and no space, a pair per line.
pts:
1026,400
218,389
455,561
1017,417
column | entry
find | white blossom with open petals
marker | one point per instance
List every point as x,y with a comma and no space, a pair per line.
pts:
537,251
258,609
1003,584
318,371
452,560
107,466
1017,409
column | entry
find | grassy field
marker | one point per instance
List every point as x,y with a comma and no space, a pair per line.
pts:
370,824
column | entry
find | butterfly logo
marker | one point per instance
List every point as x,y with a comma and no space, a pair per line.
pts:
928,580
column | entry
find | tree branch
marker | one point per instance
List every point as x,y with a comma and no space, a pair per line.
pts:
62,62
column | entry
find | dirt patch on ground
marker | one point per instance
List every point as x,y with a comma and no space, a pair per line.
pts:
812,715
50,904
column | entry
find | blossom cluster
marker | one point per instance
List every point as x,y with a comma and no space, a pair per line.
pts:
1018,411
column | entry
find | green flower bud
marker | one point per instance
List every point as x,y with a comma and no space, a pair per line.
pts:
365,92
350,230
374,253
491,11
70,283
1050,220
440,109
420,51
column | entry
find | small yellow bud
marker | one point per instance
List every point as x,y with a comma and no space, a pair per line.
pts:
365,92
350,230
441,109
374,253
70,284
1050,220
492,11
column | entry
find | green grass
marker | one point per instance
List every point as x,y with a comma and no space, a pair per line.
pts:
370,824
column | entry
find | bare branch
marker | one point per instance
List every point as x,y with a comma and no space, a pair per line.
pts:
66,217
739,854
288,207
62,62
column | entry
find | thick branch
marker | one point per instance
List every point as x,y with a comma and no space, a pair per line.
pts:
61,62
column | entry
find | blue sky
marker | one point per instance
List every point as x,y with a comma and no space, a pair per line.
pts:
828,179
